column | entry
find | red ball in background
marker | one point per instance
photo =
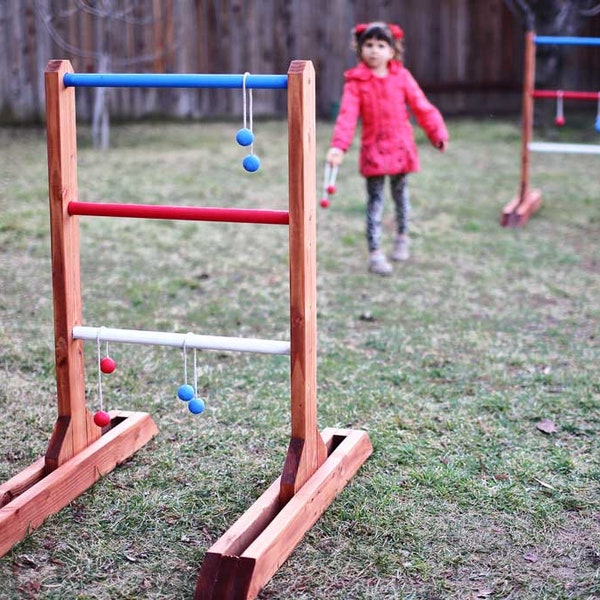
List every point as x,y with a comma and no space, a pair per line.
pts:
331,189
102,418
324,202
107,365
560,121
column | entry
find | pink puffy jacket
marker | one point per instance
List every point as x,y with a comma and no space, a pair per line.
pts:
387,144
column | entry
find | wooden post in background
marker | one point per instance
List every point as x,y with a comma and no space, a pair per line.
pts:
527,111
528,200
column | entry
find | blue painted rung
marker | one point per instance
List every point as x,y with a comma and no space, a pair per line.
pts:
567,40
168,80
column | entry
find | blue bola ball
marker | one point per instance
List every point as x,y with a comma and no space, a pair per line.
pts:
196,406
597,124
244,137
251,163
185,392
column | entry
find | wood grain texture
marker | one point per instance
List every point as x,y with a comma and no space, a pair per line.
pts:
74,429
306,450
241,563
29,508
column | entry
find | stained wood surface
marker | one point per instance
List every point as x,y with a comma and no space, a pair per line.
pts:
74,429
518,211
79,452
32,506
527,112
239,565
306,450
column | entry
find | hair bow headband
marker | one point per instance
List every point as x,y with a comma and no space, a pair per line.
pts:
395,30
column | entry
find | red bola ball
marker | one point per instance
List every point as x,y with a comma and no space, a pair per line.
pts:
331,189
560,121
107,365
102,418
324,202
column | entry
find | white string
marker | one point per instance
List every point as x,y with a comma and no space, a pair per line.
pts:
98,342
329,177
334,172
251,118
248,94
195,373
559,105
326,176
244,97
184,346
184,364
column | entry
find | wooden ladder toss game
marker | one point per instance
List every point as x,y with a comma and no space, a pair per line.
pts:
317,466
517,212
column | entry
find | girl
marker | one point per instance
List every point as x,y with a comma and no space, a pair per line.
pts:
378,91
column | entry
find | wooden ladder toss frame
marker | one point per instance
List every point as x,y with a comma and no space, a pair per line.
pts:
528,200
317,466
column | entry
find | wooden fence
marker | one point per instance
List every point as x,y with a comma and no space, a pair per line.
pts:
467,54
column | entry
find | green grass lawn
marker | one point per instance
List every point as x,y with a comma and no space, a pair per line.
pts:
450,365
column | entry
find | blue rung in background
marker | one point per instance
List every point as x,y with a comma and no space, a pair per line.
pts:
567,40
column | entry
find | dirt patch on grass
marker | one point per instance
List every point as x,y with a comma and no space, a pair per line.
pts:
565,563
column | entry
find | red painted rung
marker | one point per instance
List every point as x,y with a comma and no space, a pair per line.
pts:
566,95
180,213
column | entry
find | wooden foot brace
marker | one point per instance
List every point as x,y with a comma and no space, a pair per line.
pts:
243,560
33,495
516,213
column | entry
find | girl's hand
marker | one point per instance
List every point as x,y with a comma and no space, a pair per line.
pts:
334,157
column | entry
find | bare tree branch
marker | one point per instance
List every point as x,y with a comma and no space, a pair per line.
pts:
47,19
590,12
123,15
104,14
525,12
60,41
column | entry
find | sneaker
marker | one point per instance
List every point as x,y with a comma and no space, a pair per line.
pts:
400,251
379,265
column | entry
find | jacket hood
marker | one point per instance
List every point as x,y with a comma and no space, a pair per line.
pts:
362,73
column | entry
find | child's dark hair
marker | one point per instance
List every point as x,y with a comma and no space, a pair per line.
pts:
388,32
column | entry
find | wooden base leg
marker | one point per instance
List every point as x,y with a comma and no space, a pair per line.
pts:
302,460
245,558
516,213
30,497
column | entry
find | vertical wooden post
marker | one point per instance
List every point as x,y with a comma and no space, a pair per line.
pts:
527,201
527,111
306,451
74,429
79,452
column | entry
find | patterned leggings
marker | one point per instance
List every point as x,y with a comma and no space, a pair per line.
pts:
375,194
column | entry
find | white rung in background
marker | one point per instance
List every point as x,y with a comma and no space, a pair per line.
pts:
564,148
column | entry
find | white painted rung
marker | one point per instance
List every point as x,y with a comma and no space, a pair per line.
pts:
180,340
564,148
